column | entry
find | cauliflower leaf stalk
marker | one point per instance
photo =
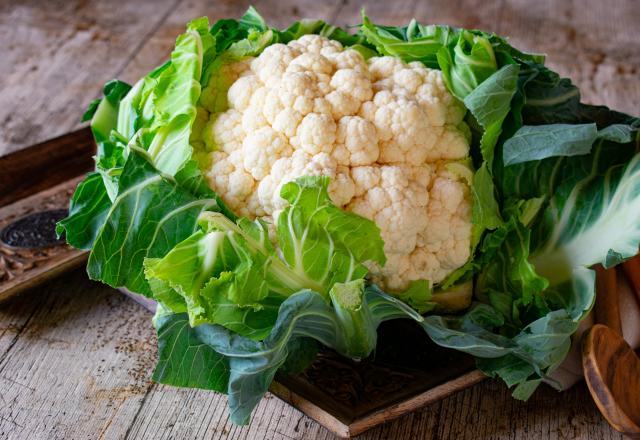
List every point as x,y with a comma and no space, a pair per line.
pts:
244,368
229,273
414,160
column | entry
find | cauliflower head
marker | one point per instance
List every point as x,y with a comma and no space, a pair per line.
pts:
383,130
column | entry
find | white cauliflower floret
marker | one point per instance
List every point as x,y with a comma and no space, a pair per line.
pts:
352,82
261,149
287,122
349,59
356,142
450,215
300,164
316,134
316,44
253,117
227,176
224,132
404,137
384,131
297,91
214,95
342,104
271,65
384,67
396,198
424,219
241,92
311,62
453,144
341,189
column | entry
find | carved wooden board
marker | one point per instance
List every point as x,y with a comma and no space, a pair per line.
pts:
34,194
349,398
30,253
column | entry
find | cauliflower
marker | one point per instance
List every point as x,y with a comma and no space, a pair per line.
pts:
383,130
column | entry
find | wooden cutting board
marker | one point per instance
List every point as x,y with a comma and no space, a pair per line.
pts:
35,187
407,371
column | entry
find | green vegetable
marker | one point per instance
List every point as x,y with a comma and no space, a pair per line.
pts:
535,142
87,212
247,367
230,274
556,189
103,113
470,63
322,243
151,214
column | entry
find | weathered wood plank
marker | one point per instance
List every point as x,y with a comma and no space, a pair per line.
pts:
28,171
488,411
593,43
485,411
23,268
14,320
56,55
157,49
79,369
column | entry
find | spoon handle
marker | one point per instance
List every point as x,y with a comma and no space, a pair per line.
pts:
612,372
607,307
631,269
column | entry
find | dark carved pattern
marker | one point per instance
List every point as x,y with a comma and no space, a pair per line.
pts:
17,261
352,382
405,364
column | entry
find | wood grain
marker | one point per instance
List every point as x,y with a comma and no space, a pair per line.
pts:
56,337
22,268
31,170
419,401
78,364
612,372
631,269
56,56
607,307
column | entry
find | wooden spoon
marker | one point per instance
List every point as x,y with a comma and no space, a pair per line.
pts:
631,269
612,371
607,307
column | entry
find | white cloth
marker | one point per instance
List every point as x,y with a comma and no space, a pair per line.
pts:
570,372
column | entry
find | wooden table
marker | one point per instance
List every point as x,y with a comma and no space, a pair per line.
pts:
75,356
